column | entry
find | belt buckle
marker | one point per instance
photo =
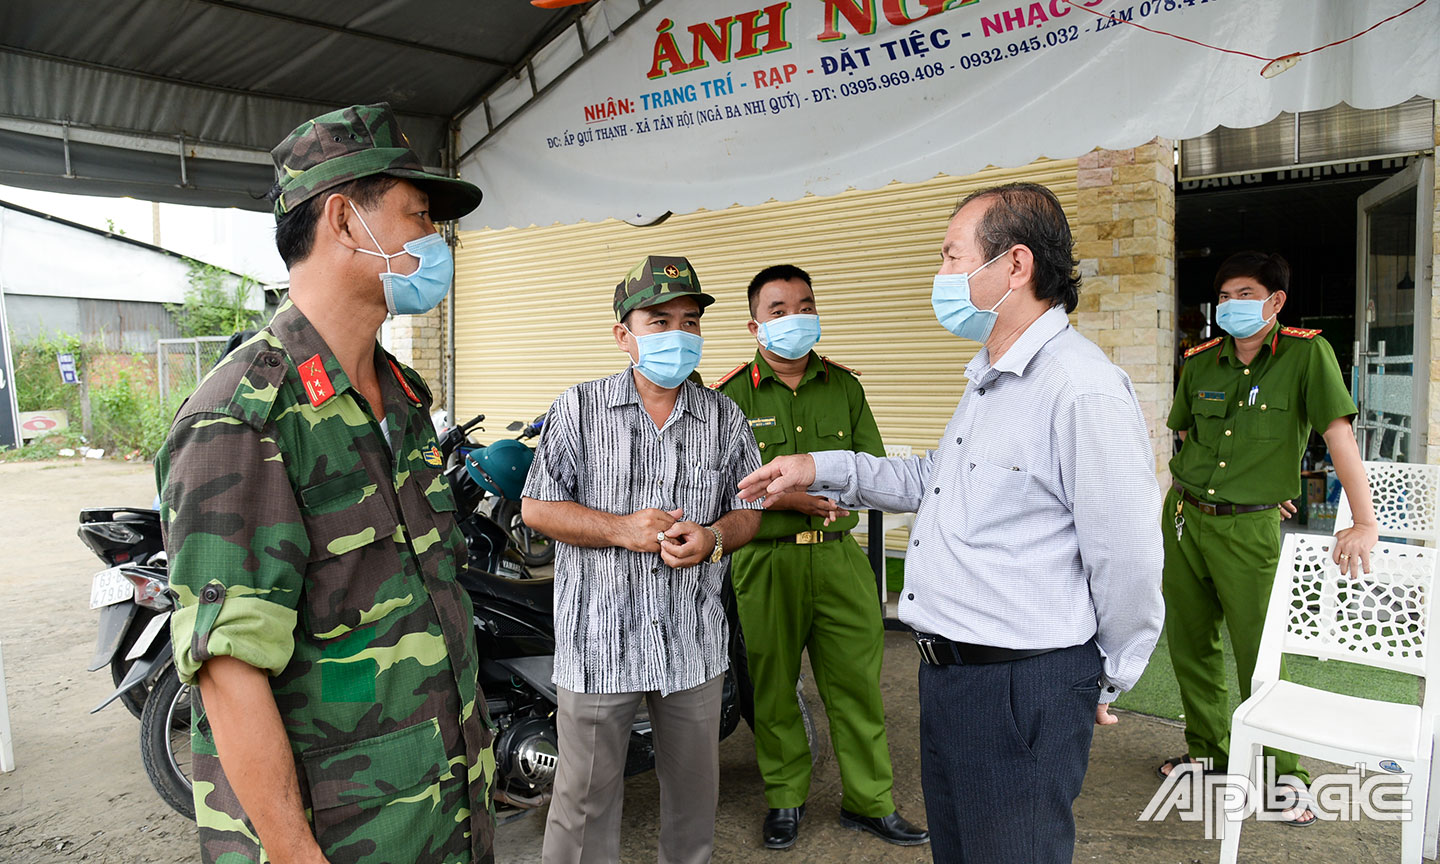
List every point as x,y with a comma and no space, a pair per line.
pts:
927,650
807,538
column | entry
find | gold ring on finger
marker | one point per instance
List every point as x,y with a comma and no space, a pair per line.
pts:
1344,557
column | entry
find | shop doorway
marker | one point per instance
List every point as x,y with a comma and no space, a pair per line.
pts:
1391,380
1354,234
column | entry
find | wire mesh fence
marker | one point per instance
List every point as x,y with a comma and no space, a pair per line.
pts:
181,363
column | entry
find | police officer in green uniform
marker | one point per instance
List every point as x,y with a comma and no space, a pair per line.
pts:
313,543
1244,408
803,582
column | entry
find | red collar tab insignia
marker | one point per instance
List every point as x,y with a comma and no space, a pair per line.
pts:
432,457
404,385
1300,332
755,374
1204,346
317,382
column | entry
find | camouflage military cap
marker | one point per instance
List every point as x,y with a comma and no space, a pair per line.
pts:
359,141
658,279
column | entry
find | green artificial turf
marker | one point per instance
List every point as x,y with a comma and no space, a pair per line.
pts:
1157,693
894,575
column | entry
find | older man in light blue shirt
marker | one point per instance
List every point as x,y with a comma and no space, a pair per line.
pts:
1033,576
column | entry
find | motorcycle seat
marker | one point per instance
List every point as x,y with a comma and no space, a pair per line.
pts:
537,594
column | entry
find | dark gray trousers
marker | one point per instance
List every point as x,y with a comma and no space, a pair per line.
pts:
1003,753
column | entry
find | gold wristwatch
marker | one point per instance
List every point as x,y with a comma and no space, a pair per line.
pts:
719,545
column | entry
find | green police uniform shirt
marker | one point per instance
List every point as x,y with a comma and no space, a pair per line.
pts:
303,545
827,411
1247,426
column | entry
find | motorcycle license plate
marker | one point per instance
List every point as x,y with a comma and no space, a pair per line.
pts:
110,587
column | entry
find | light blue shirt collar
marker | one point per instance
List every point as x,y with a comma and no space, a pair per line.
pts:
1049,325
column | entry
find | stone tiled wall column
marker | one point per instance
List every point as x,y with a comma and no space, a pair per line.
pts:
1125,240
1432,441
419,342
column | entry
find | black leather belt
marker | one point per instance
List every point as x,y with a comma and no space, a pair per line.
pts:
938,651
1223,509
808,538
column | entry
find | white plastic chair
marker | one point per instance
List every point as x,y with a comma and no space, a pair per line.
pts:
1406,497
1379,619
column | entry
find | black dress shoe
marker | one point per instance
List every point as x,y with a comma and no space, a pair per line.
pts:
782,826
891,829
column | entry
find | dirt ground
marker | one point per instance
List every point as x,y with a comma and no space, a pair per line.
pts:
80,794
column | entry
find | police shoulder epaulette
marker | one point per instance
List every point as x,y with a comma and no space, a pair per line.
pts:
1204,346
726,377
841,366
1299,332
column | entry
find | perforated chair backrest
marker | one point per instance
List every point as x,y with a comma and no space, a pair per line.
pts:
1381,618
903,451
1406,498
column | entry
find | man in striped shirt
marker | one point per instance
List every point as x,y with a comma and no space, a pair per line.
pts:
636,477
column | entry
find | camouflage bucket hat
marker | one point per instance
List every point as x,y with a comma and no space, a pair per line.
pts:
658,279
356,142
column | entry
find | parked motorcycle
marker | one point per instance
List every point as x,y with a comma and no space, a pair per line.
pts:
122,536
499,471
134,642
513,456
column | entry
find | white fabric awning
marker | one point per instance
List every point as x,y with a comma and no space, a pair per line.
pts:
709,103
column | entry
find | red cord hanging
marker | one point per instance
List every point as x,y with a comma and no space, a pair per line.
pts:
1273,65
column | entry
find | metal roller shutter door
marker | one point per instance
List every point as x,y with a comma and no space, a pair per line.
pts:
533,305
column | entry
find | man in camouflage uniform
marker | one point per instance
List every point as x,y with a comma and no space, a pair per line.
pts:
313,541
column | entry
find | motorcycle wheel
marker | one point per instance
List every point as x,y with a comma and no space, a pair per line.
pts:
165,742
534,547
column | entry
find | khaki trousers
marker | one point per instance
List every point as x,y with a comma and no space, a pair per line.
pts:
594,732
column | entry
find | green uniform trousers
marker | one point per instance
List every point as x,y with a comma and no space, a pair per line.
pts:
1219,567
819,597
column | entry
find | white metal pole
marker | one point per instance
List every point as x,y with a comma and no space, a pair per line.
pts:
7,745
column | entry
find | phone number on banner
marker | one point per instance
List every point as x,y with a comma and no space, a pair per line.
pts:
898,78
1052,38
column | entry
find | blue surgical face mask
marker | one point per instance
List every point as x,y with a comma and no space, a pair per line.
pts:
1241,318
667,358
790,336
950,297
421,291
